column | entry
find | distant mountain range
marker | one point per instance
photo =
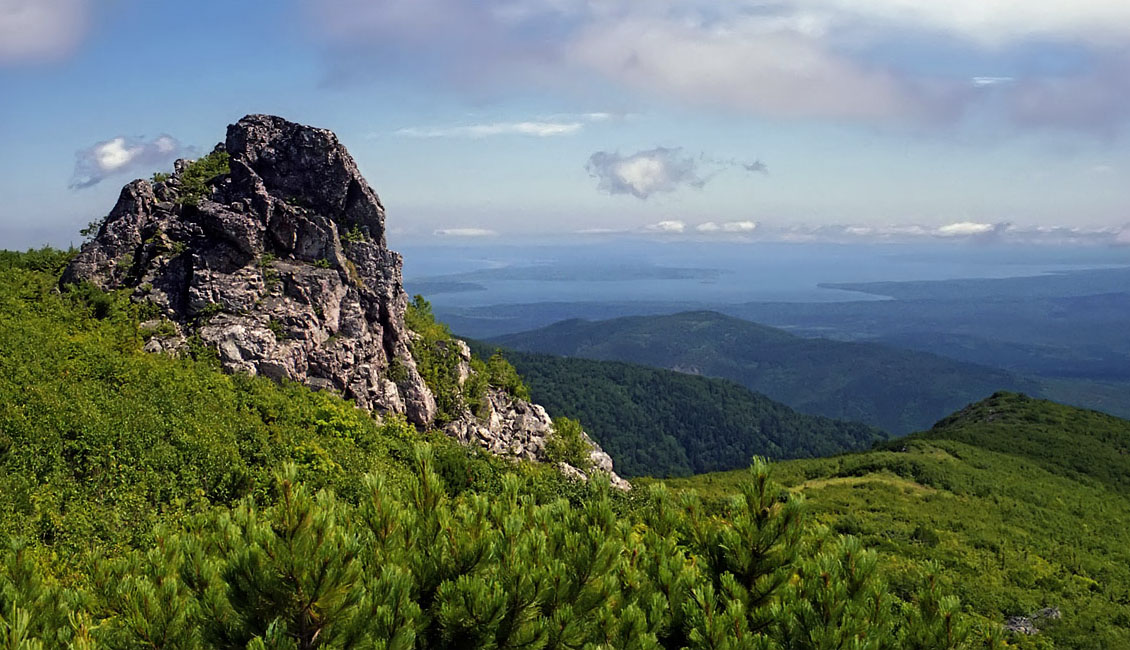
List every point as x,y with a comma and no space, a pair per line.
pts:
896,390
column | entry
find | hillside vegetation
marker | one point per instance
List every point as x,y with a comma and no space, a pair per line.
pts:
896,390
153,502
663,423
1023,504
100,441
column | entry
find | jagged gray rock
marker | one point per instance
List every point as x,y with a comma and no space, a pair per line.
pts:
518,428
280,265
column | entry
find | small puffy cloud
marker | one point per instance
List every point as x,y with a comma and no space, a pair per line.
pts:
645,172
739,226
668,227
711,227
121,155
984,82
464,232
965,229
536,129
1123,236
36,30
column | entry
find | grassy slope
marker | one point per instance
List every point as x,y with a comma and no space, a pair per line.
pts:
662,423
896,390
1024,502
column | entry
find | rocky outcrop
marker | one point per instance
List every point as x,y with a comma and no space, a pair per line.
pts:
1026,625
515,427
277,261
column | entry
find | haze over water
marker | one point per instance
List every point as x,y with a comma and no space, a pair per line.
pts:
714,272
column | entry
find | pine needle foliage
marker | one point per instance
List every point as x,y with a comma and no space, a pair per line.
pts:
410,566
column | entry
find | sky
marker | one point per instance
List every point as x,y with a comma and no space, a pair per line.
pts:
515,120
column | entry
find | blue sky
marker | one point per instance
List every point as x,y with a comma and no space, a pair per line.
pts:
795,120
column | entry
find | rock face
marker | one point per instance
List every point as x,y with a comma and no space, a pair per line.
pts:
278,262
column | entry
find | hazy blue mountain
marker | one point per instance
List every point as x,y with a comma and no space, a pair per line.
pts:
897,390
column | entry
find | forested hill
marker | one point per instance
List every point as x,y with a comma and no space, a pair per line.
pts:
662,423
896,390
1024,502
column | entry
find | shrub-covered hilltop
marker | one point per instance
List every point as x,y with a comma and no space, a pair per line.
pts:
148,501
1023,503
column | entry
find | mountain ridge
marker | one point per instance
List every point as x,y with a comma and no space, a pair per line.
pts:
896,390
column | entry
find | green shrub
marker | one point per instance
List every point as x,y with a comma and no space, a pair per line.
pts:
566,444
195,179
277,329
503,375
91,230
437,359
47,260
354,235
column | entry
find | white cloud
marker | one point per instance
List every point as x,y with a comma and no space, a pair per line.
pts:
959,232
35,30
711,227
983,82
739,226
780,58
739,65
669,227
645,172
990,22
121,155
662,169
537,129
464,232
964,229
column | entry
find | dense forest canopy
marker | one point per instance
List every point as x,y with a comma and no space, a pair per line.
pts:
657,422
